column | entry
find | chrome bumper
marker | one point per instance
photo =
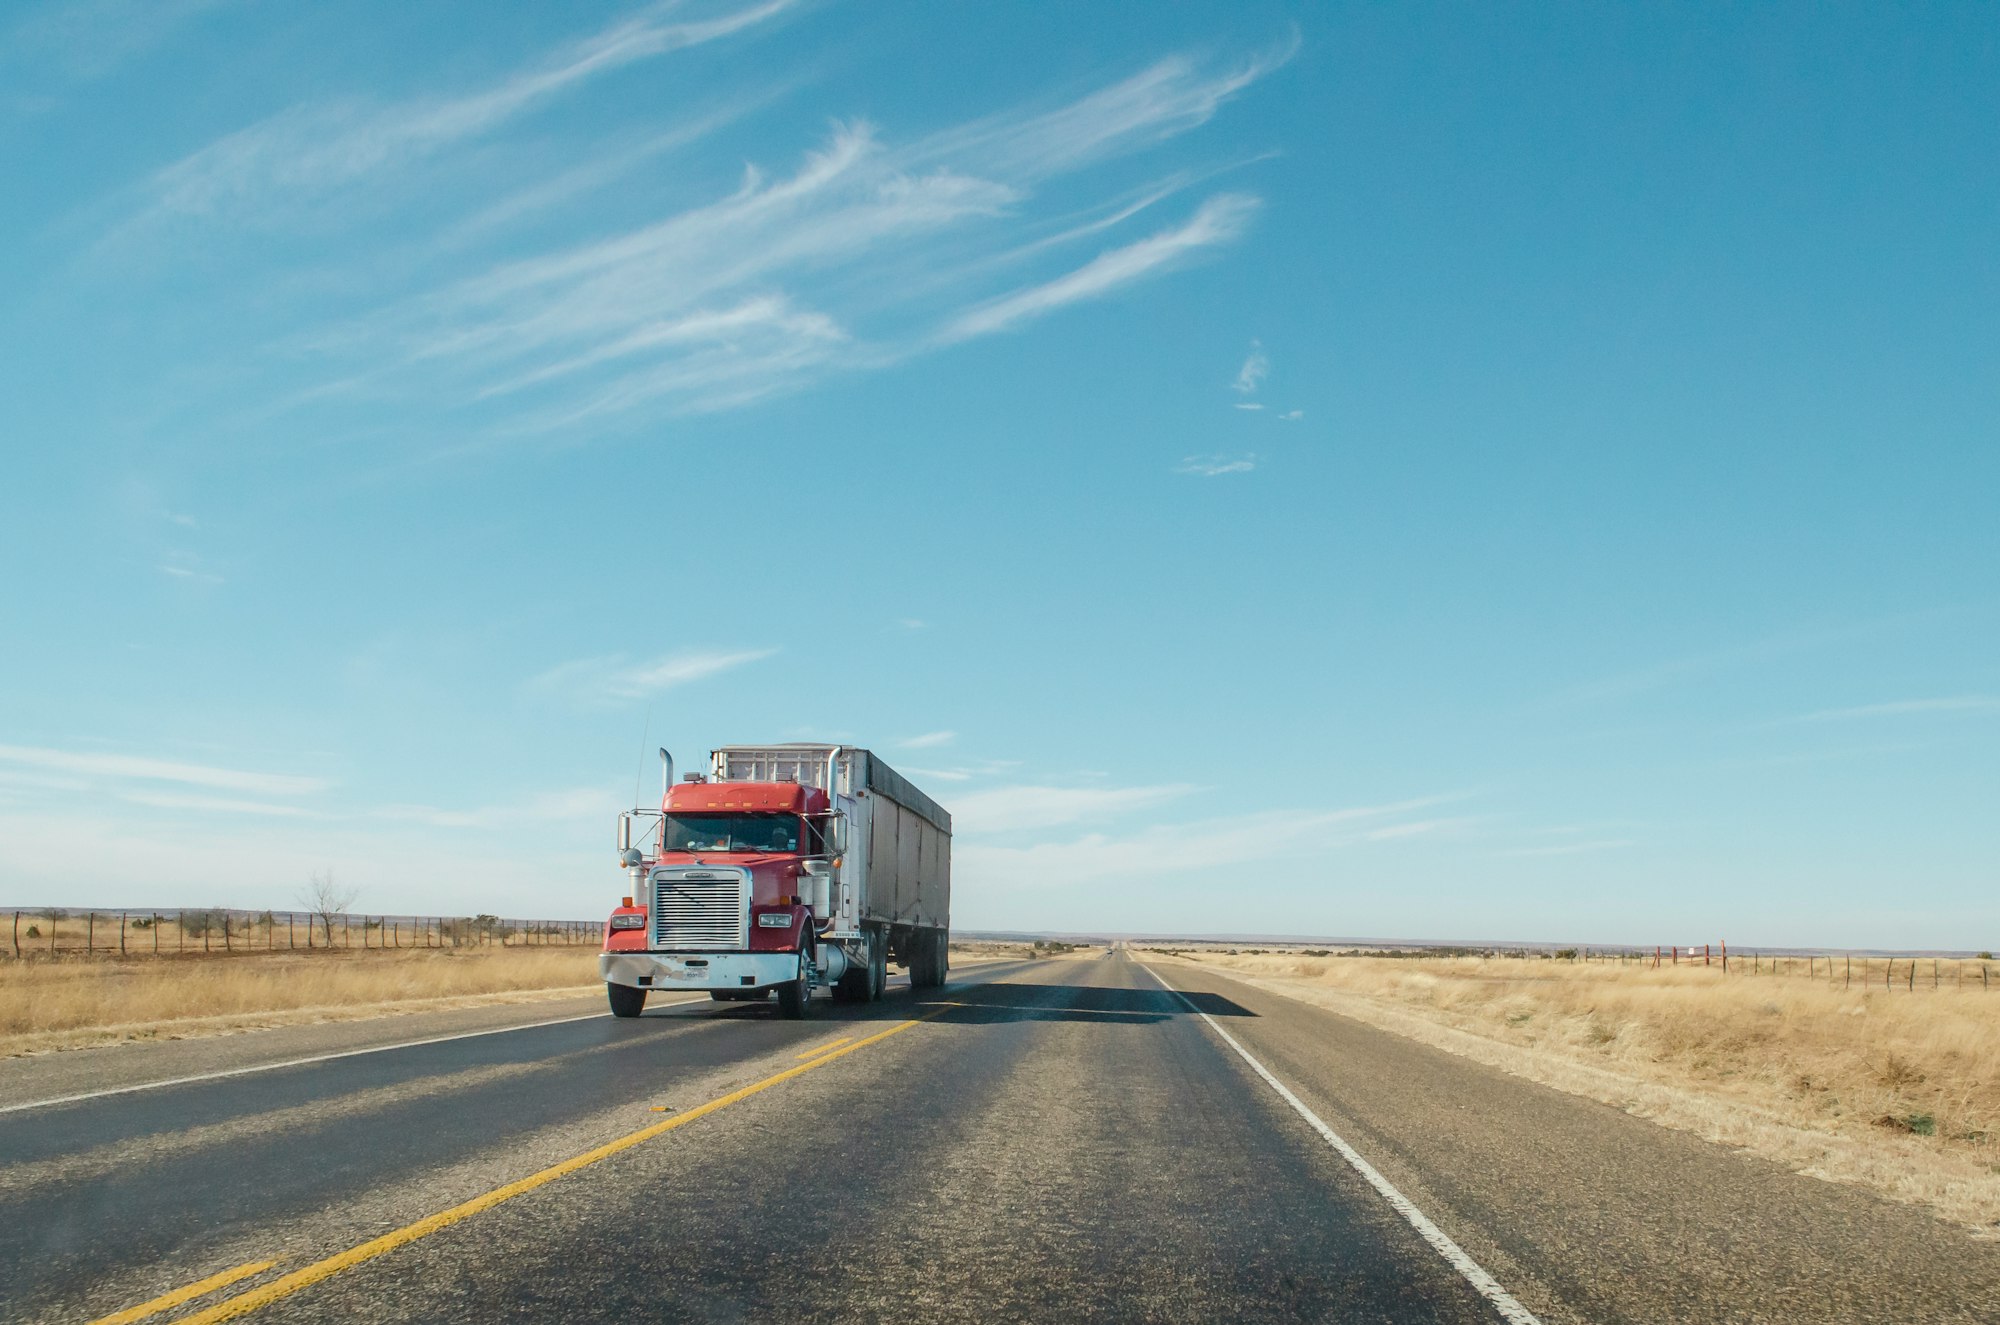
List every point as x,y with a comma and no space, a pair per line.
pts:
698,970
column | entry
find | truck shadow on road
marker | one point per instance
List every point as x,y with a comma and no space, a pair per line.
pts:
996,1002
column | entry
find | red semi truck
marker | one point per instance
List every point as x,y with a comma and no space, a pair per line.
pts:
782,869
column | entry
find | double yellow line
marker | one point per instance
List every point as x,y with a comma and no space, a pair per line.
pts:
291,1283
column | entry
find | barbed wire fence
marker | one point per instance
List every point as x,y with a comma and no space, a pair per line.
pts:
28,933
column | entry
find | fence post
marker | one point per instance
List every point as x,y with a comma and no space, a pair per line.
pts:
89,932
17,932
156,933
121,933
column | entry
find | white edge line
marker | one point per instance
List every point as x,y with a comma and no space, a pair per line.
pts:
300,1062
1475,1274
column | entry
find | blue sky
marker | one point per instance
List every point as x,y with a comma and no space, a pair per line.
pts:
1442,471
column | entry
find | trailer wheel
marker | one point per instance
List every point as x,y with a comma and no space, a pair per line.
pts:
931,958
878,967
626,1001
794,996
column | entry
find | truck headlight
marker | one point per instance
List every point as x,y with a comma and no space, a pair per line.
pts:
628,922
775,920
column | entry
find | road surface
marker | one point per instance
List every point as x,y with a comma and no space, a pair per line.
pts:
1058,1140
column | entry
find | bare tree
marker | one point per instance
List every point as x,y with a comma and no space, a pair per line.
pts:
327,899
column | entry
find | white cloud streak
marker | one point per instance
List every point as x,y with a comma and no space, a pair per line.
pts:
302,155
580,805
1252,374
1179,849
140,768
1011,809
1902,708
1571,848
865,254
1215,466
929,740
1220,220
618,677
170,800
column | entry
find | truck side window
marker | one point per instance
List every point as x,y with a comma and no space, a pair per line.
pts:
815,846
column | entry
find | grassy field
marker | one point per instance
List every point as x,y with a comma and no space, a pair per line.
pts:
1897,1090
72,1002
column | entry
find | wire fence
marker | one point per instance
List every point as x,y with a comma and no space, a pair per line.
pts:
1845,969
1891,971
48,932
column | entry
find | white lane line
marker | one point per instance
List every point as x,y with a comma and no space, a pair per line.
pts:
303,1062
1487,1286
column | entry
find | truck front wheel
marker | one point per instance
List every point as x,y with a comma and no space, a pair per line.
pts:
795,995
625,1000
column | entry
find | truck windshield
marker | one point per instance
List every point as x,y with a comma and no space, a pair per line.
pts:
732,832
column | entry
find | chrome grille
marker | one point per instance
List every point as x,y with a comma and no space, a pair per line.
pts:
701,912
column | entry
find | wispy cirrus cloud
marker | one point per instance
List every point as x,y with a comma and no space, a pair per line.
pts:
577,805
1255,369
143,769
619,677
866,252
1215,466
1010,809
1167,850
1904,708
929,740
171,800
297,158
87,39
1218,221
1571,848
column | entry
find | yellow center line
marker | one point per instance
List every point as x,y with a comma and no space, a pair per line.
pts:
814,1053
443,1219
180,1295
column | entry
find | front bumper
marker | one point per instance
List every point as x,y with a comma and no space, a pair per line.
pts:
698,970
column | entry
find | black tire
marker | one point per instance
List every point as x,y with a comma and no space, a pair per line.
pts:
930,960
626,1001
878,967
795,996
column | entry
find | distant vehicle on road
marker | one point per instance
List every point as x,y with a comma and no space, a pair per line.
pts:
784,868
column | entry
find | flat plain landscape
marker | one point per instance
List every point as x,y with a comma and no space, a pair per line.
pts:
1892,1084
1077,1136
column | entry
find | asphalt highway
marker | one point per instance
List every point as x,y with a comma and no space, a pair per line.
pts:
1055,1140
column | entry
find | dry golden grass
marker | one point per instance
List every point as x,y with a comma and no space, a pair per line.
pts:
988,949
67,1003
1896,1090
